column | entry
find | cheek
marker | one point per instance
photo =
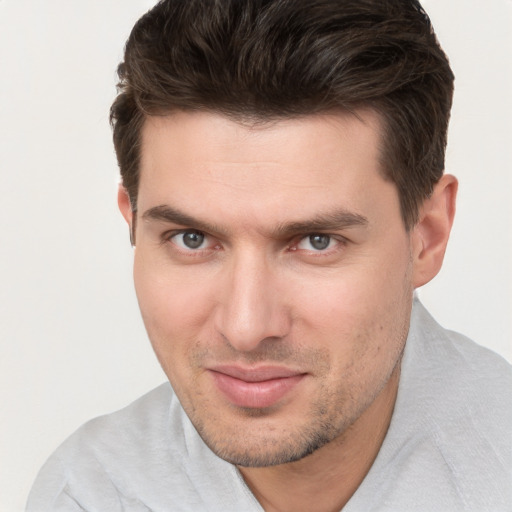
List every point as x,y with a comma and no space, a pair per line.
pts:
175,310
358,310
347,298
174,304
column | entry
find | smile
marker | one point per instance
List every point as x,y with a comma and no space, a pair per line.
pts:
255,388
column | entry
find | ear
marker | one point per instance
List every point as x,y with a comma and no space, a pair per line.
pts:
125,207
430,234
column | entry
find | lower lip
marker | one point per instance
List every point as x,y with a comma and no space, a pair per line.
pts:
255,394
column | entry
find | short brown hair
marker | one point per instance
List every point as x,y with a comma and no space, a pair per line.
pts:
271,59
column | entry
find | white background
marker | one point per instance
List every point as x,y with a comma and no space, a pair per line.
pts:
72,345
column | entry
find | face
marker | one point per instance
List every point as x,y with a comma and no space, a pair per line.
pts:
273,272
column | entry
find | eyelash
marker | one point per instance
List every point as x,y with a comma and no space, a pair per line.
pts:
337,241
340,243
170,235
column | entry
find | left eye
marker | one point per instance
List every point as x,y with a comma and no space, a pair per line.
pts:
316,242
189,240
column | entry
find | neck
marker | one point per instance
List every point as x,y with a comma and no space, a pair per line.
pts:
325,480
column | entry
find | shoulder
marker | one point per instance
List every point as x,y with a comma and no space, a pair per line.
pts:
462,372
145,457
99,460
455,402
449,444
144,421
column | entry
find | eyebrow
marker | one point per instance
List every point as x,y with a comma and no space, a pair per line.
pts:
329,221
166,213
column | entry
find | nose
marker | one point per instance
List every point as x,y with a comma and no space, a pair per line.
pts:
251,306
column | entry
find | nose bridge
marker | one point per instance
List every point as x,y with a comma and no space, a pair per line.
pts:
251,307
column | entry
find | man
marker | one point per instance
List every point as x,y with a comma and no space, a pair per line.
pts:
282,180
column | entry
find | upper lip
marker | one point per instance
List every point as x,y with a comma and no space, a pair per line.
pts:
256,374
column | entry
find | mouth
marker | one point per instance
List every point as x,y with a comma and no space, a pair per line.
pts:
259,387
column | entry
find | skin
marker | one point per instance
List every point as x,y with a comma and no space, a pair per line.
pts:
281,246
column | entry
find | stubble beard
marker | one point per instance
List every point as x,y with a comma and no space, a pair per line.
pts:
259,438
267,446
268,443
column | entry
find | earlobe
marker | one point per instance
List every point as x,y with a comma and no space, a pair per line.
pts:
430,234
123,201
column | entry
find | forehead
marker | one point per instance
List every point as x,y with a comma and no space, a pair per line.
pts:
215,165
207,134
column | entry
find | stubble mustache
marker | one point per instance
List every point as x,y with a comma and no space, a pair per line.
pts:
270,351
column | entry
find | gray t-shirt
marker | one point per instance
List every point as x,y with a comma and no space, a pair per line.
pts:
448,448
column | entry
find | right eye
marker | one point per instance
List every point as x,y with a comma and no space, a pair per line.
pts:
190,240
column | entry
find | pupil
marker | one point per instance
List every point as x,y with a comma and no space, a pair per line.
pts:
320,242
192,239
